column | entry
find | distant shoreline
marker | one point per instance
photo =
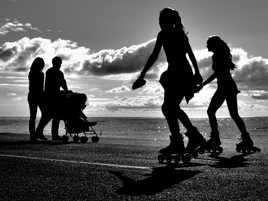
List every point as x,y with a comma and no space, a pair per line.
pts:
119,117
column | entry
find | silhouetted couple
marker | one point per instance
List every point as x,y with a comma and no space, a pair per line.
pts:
179,82
47,97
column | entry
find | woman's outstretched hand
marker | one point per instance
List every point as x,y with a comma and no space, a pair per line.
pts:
138,83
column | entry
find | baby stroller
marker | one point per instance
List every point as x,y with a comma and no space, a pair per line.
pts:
76,124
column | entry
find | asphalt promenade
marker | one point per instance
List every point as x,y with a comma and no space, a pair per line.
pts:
115,169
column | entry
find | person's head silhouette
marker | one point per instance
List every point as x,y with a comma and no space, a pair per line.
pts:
214,42
220,48
38,64
169,18
56,62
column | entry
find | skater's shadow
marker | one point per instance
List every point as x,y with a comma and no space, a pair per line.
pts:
155,182
232,162
183,165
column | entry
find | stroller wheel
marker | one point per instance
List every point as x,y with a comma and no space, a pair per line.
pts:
65,138
76,138
83,139
95,139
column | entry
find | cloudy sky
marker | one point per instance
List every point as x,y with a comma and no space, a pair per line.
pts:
105,43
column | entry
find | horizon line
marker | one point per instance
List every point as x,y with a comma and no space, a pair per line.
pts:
141,117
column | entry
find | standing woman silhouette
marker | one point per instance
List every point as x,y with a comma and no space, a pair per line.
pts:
36,94
178,80
227,90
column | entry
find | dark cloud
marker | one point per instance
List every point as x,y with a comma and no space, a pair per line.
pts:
126,60
7,53
253,75
251,72
263,96
236,58
79,59
135,103
118,107
18,55
21,59
205,62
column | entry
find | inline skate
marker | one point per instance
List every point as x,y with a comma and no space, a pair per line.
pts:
173,153
246,145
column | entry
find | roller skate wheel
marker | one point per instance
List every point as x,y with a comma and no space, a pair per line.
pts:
186,158
238,150
201,151
76,138
84,139
65,138
209,150
246,151
95,139
195,155
177,160
161,158
169,160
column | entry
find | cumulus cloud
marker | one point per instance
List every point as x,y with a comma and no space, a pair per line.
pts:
252,72
16,26
257,94
152,89
261,97
18,55
134,103
120,89
125,60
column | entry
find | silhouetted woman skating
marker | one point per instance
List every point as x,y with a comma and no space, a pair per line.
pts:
178,81
36,93
227,90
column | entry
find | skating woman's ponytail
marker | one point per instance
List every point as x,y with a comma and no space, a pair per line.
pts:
171,16
177,22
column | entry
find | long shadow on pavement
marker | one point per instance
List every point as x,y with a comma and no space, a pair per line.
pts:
160,179
232,162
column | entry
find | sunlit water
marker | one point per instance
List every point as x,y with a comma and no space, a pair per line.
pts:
144,128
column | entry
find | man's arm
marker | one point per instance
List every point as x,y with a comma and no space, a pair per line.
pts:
63,82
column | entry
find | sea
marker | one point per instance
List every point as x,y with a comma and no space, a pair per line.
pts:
145,128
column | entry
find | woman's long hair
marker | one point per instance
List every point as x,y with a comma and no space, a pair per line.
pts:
221,49
38,64
171,16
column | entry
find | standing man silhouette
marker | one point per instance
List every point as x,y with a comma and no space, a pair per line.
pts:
54,82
